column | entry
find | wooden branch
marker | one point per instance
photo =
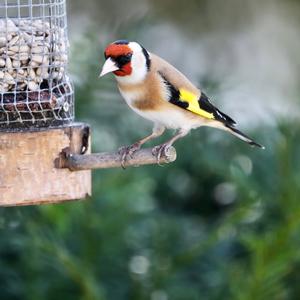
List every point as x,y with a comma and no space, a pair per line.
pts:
76,162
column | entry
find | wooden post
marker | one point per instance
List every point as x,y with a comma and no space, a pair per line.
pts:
27,166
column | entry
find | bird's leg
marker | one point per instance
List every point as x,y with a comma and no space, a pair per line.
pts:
126,151
159,150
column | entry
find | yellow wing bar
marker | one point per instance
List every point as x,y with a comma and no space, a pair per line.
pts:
193,102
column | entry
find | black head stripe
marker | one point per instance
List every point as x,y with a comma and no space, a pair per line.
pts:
121,42
147,56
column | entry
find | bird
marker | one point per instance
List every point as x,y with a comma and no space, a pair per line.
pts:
157,91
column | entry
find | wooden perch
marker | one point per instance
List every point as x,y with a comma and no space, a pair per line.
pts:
76,162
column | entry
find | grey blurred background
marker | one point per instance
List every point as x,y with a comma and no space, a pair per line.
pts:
220,223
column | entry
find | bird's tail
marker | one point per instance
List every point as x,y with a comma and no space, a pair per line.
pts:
242,136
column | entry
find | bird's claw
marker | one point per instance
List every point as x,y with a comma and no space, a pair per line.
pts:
159,150
128,151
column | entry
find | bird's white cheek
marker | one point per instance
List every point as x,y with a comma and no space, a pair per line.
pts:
139,70
138,61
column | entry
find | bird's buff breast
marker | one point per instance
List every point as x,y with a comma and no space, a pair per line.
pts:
162,112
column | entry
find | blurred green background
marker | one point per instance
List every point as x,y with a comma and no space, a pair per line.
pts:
223,221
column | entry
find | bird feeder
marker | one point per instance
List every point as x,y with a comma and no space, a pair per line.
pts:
44,155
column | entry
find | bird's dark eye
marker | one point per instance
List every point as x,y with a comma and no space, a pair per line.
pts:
128,56
123,59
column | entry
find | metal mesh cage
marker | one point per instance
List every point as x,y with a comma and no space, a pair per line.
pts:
35,90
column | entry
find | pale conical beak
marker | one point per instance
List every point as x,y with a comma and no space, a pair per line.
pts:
109,66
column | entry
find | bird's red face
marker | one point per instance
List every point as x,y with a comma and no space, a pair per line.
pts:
118,59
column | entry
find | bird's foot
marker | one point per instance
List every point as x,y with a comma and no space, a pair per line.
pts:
160,150
127,152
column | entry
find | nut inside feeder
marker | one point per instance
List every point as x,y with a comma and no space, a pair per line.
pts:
37,106
35,90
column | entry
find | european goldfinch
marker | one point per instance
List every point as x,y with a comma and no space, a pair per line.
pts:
160,93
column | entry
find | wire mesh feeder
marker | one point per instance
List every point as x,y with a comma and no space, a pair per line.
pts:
35,90
53,164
